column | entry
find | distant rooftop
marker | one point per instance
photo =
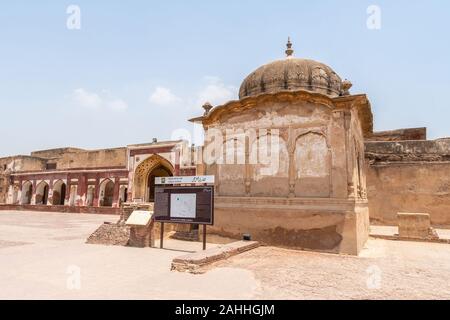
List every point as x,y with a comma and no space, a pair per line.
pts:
156,143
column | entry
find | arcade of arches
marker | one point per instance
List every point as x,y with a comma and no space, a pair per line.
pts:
109,191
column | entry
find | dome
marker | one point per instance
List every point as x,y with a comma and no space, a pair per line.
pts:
293,74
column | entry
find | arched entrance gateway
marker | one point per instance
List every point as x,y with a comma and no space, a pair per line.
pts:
157,172
145,174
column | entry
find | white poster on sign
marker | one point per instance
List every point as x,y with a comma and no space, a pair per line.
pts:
183,205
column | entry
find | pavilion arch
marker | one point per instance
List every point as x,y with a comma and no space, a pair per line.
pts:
27,192
106,197
42,193
59,193
145,174
269,166
312,158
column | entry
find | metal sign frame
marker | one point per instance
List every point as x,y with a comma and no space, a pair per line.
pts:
183,185
168,191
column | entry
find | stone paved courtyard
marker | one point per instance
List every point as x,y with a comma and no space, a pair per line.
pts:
40,253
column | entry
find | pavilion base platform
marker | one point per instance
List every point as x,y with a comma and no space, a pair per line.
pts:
324,225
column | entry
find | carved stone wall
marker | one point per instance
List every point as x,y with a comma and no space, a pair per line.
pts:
311,141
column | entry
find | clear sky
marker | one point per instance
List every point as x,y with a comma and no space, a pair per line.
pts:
139,69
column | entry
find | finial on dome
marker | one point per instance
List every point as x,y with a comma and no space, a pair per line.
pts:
289,51
207,107
346,86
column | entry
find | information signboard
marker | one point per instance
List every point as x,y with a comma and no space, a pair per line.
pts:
191,205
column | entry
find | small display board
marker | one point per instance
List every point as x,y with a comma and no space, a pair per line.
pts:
184,204
140,218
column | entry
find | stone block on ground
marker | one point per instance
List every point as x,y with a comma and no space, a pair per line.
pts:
193,261
415,226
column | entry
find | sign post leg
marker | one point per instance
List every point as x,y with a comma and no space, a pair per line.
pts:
204,237
161,238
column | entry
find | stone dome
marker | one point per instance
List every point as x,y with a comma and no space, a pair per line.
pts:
292,74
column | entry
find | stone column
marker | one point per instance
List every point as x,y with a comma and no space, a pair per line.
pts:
82,188
177,162
50,193
96,193
338,139
116,192
350,152
33,194
67,197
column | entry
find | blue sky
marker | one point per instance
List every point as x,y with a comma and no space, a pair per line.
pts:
139,69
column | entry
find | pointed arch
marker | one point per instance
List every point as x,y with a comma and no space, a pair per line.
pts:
42,190
27,192
145,174
59,193
312,158
106,193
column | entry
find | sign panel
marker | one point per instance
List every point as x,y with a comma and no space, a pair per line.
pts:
193,205
139,218
184,180
183,205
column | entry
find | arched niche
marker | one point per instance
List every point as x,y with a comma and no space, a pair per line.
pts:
269,166
231,172
27,193
106,193
42,193
312,158
123,194
59,193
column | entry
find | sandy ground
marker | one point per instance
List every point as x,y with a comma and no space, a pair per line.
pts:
43,256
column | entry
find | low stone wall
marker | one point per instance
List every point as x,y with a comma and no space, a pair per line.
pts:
414,187
62,209
409,176
192,262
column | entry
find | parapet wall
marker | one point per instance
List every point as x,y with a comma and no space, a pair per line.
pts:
409,176
116,157
399,135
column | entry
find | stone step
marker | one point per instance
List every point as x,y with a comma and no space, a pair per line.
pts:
193,261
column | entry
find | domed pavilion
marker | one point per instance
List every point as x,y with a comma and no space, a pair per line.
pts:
288,158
